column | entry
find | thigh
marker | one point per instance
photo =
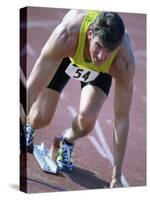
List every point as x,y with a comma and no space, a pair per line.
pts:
60,78
103,81
44,107
91,101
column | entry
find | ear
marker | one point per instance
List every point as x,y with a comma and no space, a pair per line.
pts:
90,33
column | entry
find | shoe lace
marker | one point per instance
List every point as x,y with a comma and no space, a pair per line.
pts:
66,152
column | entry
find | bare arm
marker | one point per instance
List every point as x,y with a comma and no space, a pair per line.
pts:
124,75
122,104
62,43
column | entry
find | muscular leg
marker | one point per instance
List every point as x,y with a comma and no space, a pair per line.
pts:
92,99
43,109
93,95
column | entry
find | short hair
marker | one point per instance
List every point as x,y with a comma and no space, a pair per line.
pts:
109,27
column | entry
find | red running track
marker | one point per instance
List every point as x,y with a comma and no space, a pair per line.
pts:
93,154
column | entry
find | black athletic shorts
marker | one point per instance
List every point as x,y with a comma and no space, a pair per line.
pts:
60,79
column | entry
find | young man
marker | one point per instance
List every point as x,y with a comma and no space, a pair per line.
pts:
92,47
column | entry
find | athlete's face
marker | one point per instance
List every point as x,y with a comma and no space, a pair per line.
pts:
99,54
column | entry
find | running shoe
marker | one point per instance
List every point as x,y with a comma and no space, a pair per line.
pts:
26,139
64,158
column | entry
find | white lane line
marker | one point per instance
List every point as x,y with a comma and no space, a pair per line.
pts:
102,148
40,24
98,147
135,88
109,121
72,111
63,96
27,49
102,141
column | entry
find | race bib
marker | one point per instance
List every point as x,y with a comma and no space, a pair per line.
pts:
80,74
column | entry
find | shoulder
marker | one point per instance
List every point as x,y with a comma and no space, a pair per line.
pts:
74,16
123,68
64,37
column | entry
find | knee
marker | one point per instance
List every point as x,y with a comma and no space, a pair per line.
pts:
37,120
86,123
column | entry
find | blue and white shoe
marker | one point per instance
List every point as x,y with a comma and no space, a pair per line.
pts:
64,159
26,139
